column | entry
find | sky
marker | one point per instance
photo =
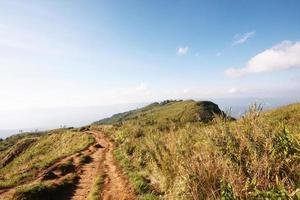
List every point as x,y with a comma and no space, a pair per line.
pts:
57,54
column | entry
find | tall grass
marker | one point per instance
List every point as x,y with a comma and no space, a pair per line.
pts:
255,157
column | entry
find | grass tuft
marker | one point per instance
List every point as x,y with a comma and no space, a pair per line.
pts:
95,192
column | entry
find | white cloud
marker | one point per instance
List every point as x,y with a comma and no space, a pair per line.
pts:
242,38
232,90
235,90
283,56
182,51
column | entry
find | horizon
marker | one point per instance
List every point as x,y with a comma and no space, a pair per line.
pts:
56,55
52,118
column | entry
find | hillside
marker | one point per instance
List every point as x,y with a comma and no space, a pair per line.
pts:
288,115
24,158
177,156
169,110
69,163
168,150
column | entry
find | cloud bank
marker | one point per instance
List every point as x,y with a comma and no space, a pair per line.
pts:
283,56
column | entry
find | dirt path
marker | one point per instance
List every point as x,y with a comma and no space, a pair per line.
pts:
116,186
88,172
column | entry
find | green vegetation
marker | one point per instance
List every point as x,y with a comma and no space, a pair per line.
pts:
96,189
288,116
12,140
170,150
43,190
182,150
167,111
28,154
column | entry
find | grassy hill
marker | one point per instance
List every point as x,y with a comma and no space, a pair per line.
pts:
171,150
168,111
168,152
288,115
24,156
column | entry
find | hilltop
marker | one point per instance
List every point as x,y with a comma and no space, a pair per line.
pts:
169,110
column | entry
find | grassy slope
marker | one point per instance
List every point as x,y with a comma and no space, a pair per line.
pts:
44,151
167,111
288,115
12,140
257,156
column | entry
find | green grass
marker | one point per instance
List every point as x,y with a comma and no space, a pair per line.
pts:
45,190
140,184
12,140
47,149
288,115
95,192
255,157
167,111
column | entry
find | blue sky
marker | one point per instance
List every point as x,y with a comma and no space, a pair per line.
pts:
86,53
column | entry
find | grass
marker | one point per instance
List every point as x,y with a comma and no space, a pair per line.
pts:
95,192
45,190
139,182
287,115
167,111
12,140
174,150
47,149
255,157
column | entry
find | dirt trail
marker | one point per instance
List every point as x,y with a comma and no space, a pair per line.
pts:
88,172
116,186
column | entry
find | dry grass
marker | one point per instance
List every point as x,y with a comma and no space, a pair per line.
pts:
95,192
256,157
43,152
